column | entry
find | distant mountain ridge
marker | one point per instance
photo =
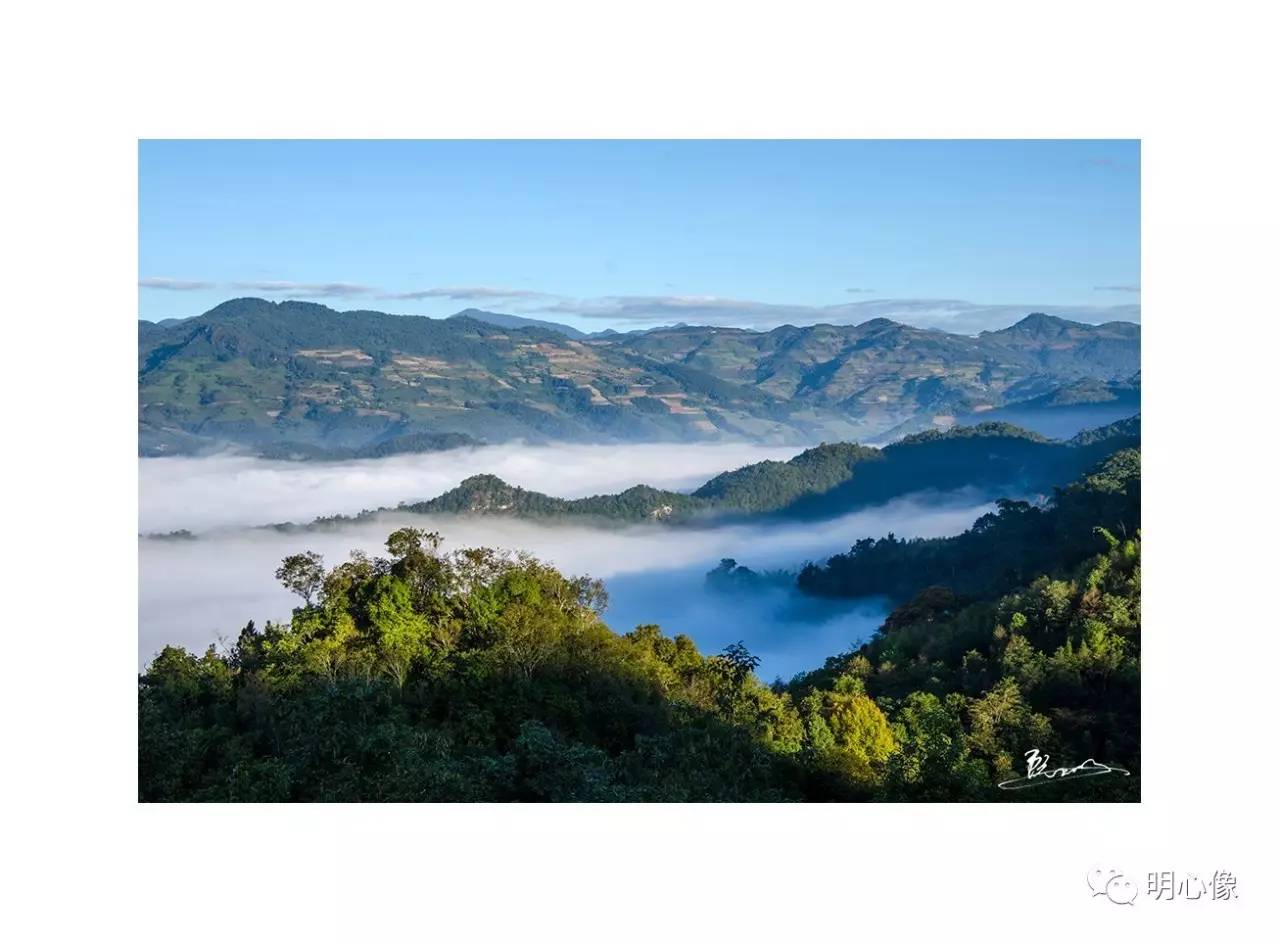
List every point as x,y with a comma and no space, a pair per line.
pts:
1059,413
873,367
254,373
512,320
273,376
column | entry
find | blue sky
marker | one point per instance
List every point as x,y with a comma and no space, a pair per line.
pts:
965,235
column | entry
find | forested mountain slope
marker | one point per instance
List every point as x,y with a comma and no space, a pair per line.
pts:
477,676
1001,551
824,481
886,373
262,374
257,373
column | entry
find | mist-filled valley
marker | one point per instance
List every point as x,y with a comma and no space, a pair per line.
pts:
196,592
1062,421
230,489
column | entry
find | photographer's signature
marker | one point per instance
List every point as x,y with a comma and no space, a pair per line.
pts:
1039,773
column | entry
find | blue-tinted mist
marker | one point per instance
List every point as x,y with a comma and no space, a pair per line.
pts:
789,632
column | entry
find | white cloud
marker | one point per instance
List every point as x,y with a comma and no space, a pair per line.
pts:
477,293
237,490
329,289
175,284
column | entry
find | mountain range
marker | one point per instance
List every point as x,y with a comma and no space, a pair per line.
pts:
301,379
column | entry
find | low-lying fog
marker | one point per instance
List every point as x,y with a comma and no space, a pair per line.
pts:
194,592
1061,422
237,490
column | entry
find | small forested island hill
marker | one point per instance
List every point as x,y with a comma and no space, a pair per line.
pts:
489,675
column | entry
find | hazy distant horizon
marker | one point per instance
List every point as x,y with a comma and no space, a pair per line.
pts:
960,317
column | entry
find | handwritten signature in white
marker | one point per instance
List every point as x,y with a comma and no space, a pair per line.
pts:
1039,773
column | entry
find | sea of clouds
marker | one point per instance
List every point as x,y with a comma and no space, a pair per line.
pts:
199,592
239,490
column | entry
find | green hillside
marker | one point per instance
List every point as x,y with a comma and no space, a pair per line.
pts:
302,379
824,481
257,373
1001,551
886,373
478,676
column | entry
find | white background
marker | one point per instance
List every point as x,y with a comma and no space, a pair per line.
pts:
83,81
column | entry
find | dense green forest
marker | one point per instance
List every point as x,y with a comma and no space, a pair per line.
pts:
763,486
1001,551
478,676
